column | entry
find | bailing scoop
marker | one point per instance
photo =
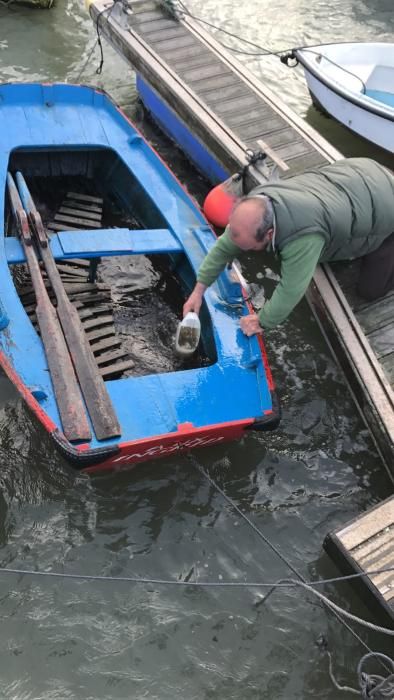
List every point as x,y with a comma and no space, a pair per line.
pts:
188,335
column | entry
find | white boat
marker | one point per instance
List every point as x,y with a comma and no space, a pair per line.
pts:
354,83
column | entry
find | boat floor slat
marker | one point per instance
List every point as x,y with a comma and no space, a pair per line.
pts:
102,332
85,206
107,357
105,344
85,197
59,218
98,321
117,368
54,226
94,312
83,213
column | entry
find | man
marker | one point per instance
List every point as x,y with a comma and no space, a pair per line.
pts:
341,211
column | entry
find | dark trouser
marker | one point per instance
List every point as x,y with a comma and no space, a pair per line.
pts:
377,271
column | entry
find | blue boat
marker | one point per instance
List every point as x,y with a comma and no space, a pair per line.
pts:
70,150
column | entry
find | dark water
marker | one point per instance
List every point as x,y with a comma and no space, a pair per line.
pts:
82,640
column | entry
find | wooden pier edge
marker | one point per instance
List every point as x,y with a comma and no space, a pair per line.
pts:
373,394
365,531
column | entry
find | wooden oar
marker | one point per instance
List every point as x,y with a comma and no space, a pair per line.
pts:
68,397
98,402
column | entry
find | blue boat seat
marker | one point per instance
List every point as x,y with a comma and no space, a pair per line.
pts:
101,243
386,98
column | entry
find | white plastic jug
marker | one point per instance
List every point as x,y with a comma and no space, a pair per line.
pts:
188,334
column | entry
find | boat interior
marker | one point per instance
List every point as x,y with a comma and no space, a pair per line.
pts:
129,304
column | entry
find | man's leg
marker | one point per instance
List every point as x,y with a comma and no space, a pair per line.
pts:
377,271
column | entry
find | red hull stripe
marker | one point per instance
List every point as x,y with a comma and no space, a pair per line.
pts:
33,404
171,443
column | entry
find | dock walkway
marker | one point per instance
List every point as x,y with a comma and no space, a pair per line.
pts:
215,108
366,545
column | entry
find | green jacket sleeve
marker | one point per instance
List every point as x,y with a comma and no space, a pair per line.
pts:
298,263
223,252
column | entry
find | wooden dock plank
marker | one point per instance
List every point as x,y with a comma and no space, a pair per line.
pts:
366,545
388,366
382,340
367,526
376,314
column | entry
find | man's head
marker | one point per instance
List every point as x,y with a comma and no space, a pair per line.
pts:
251,223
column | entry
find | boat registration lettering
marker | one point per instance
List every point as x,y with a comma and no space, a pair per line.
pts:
162,449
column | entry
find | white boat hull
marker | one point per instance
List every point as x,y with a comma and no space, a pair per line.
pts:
372,127
354,83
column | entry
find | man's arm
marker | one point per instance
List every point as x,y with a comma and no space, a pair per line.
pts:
223,252
298,263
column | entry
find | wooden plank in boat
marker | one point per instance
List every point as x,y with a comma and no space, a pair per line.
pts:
366,544
54,226
98,321
89,298
94,312
117,368
71,271
96,208
99,333
85,197
85,213
79,262
99,346
110,356
75,220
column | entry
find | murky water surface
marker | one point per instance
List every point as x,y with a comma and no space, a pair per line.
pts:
84,639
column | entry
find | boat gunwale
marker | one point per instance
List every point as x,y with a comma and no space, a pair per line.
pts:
366,103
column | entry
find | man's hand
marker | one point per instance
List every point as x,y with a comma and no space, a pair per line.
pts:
250,325
193,303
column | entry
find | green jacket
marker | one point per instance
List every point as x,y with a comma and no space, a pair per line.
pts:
339,212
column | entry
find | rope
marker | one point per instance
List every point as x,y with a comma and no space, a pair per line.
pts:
283,583
98,42
371,686
334,609
290,55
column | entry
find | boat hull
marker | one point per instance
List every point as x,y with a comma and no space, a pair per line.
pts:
372,127
160,413
128,454
353,83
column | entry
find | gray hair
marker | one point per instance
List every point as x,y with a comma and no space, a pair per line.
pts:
267,218
267,214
